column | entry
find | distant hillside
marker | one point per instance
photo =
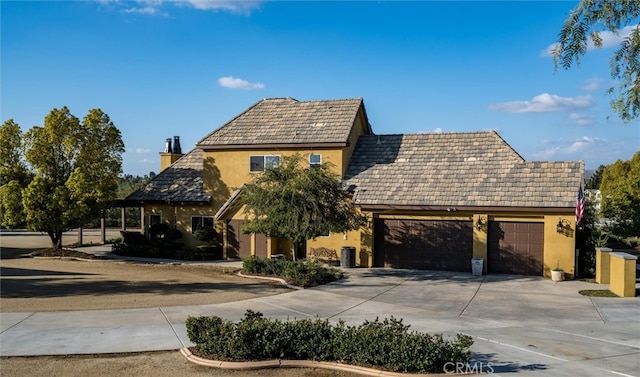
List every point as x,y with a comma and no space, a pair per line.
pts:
588,173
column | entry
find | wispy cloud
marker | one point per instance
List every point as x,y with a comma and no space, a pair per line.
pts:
581,120
235,83
609,39
544,103
143,150
574,149
153,7
592,84
237,6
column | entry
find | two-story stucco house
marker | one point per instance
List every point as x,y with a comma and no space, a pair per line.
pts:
434,201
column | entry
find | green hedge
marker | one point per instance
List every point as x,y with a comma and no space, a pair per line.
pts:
386,344
302,273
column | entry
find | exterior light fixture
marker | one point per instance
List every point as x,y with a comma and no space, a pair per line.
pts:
481,224
563,225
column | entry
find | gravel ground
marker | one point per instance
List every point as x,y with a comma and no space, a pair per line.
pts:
33,284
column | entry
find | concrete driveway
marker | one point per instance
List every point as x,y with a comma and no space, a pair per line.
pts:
524,325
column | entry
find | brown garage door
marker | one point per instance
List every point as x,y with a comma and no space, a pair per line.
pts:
423,244
239,244
515,248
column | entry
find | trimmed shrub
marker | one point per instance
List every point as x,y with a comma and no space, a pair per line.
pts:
302,273
386,344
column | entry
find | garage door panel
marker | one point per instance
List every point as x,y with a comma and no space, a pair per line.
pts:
515,248
424,244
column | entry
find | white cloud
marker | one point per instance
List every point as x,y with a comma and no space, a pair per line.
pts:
592,84
549,50
581,120
146,161
143,150
237,6
543,103
152,7
575,149
609,39
234,83
150,10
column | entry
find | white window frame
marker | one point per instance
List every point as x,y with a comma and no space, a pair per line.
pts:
202,222
315,164
265,163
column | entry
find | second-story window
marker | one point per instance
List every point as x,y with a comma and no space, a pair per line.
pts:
262,163
315,160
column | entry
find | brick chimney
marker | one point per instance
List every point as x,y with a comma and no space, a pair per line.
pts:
171,152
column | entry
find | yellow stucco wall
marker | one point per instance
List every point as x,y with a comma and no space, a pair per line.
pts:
559,248
603,267
180,217
623,274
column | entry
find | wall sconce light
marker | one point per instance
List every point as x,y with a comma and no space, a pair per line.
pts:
481,224
562,225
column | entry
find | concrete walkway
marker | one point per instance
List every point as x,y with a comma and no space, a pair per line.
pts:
524,325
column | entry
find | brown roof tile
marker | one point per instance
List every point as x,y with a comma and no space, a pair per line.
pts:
456,169
181,182
287,121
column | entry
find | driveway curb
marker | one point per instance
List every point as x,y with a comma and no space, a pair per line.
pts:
265,364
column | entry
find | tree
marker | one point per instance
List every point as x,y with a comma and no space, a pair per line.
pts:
299,203
621,195
593,183
586,22
14,175
76,169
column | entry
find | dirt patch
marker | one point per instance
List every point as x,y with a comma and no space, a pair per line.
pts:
156,364
44,285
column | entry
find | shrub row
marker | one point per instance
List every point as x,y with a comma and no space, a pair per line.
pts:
302,272
386,344
135,244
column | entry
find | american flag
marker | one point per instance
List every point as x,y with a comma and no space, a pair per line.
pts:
579,206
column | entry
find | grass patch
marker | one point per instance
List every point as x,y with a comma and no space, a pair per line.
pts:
597,293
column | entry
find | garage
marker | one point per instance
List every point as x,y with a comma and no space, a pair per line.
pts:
515,248
423,244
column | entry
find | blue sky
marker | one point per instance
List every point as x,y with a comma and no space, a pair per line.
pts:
165,68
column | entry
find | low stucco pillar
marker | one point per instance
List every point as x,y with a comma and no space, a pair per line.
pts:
623,274
602,265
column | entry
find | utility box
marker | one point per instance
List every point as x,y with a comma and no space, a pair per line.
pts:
477,264
348,256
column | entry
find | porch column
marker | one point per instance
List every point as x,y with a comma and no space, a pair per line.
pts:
123,218
142,227
103,229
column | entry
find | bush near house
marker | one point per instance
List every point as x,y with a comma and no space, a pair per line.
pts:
301,273
163,244
386,344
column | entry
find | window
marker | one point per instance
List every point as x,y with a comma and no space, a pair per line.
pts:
315,160
155,219
201,222
262,163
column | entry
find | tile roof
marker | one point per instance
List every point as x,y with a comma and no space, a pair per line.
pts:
287,121
458,170
181,182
